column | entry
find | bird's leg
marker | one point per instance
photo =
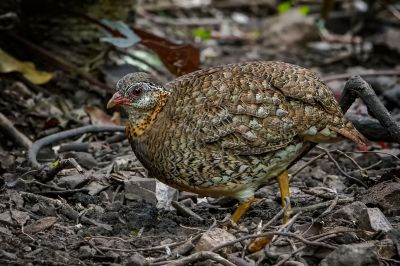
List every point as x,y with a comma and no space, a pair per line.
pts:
241,209
283,181
261,242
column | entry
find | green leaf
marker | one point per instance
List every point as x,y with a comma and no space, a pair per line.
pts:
304,10
55,163
284,7
202,33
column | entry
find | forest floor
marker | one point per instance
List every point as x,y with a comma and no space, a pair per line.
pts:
107,213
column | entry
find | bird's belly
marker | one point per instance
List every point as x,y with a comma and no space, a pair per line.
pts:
216,173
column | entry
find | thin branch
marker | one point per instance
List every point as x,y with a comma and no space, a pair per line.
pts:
8,128
365,74
356,87
300,238
200,256
319,205
40,143
340,169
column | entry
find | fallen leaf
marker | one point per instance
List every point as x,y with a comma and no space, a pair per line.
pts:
10,64
179,59
40,225
98,116
125,37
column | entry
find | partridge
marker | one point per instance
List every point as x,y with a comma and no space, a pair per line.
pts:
228,130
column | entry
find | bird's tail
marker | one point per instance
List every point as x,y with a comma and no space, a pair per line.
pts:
350,132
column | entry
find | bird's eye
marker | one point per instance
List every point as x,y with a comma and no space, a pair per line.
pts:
135,91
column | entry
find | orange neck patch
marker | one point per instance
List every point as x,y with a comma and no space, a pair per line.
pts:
135,129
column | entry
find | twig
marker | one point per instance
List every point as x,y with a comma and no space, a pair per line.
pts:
363,172
314,192
200,256
340,168
381,152
306,164
392,10
286,227
115,193
63,208
365,74
8,128
184,248
23,231
276,217
260,242
281,262
331,206
186,211
40,143
319,205
144,249
302,239
48,172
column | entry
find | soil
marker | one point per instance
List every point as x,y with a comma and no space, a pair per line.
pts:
52,223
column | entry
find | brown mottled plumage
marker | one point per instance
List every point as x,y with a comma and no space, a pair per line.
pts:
225,131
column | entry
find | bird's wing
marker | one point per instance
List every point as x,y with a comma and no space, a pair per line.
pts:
253,108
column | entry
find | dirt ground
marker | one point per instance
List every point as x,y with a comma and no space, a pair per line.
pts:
107,213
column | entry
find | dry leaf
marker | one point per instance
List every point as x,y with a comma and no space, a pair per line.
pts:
98,116
179,59
10,64
41,225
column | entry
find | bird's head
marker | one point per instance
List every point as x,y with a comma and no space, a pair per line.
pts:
138,93
142,96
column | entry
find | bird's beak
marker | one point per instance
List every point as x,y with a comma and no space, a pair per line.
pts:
116,100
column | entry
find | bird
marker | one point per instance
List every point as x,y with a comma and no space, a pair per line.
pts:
231,129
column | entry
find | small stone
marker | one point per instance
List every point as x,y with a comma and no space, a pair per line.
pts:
385,195
104,197
374,219
114,206
394,235
352,212
147,183
8,255
386,248
95,187
112,254
72,181
5,231
213,238
318,173
138,188
364,254
137,260
84,159
16,197
86,251
5,218
165,195
334,182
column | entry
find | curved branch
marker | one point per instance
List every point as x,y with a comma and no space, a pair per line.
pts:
357,87
40,143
